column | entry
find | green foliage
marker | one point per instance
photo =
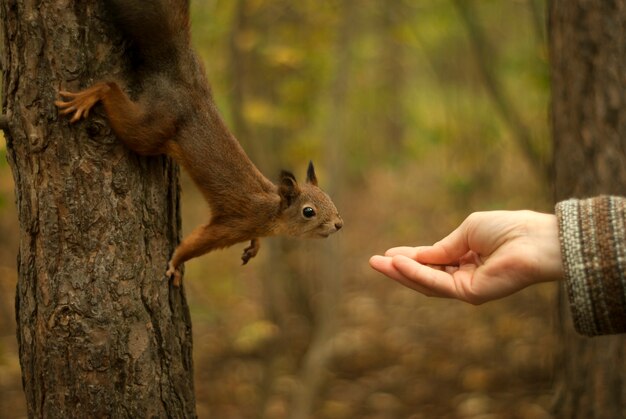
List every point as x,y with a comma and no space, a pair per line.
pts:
412,84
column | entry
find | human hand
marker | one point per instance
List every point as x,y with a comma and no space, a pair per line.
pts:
489,256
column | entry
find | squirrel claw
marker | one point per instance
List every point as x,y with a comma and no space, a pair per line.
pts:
248,254
250,251
173,274
79,103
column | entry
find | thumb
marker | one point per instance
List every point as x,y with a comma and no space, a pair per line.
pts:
447,251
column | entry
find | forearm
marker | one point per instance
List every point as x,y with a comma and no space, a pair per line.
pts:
592,233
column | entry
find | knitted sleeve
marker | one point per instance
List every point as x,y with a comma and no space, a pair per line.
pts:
592,233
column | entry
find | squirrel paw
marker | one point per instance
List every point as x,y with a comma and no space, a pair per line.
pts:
173,274
250,251
79,103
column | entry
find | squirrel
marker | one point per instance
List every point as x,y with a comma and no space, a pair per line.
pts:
175,115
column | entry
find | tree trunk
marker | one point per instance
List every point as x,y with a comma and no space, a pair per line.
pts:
503,104
101,333
588,55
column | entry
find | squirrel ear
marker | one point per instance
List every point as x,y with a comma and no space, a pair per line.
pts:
310,174
288,189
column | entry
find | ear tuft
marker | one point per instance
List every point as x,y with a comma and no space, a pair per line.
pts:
288,189
310,174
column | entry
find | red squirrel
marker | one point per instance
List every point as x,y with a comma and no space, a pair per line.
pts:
176,115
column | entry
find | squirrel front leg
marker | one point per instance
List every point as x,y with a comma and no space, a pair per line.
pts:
143,127
251,251
204,239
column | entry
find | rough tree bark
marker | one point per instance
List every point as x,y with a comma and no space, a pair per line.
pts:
101,333
588,58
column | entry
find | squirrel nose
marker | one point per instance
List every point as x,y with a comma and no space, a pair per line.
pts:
338,225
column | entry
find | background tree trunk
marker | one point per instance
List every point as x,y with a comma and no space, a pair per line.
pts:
588,55
326,265
503,104
101,334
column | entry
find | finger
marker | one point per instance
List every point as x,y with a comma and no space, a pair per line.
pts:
438,282
471,258
446,251
422,255
407,251
385,266
381,263
426,255
414,286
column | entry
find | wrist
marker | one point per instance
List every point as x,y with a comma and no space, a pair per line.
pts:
543,230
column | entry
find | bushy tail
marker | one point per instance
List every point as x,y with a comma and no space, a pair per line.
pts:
158,29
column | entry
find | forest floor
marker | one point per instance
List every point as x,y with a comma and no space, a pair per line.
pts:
396,354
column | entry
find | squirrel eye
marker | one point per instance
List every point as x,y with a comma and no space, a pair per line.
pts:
308,212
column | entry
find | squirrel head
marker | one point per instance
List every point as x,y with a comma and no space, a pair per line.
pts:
306,210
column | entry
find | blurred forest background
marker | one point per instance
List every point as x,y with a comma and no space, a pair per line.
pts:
416,113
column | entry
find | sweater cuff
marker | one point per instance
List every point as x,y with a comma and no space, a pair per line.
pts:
592,233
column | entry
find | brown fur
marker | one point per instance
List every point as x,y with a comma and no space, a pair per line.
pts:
175,115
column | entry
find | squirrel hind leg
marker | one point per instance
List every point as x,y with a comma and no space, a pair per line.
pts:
143,126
